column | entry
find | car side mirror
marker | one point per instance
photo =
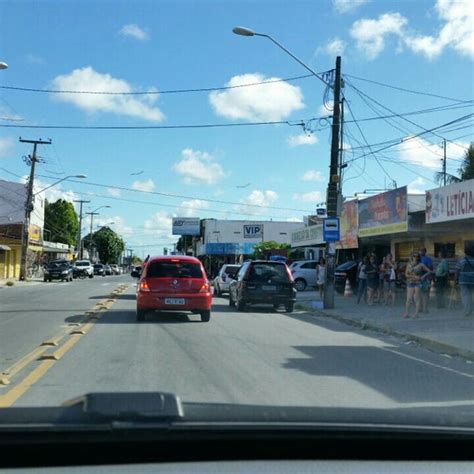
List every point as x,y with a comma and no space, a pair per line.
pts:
135,274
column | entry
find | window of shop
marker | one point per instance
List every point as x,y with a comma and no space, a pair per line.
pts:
449,249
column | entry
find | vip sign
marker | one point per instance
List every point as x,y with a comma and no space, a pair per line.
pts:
253,231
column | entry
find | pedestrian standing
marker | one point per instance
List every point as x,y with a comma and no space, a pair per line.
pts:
415,273
381,288
321,276
441,280
372,279
426,281
362,280
390,278
465,278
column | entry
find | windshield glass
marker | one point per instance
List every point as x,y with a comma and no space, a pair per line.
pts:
261,203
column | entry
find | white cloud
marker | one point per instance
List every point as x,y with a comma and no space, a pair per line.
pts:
418,186
456,32
192,208
324,112
334,47
119,226
146,186
312,175
52,194
417,151
199,167
266,102
302,139
87,79
159,225
114,192
312,196
370,34
347,6
6,146
258,198
134,31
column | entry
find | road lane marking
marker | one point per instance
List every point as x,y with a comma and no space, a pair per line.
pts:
432,364
47,360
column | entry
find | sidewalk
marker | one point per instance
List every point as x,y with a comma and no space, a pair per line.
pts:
445,331
16,282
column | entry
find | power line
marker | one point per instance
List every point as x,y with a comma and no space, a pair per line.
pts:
156,92
411,91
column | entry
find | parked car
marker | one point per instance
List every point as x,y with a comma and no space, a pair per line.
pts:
224,277
136,271
344,271
263,282
108,270
99,269
176,283
85,266
58,270
304,273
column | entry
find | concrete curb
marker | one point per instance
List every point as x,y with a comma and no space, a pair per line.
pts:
435,346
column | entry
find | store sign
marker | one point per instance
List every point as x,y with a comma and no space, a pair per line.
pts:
349,226
385,213
450,203
186,226
253,231
231,248
34,233
312,235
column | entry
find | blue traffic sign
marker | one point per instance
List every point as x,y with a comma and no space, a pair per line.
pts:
331,231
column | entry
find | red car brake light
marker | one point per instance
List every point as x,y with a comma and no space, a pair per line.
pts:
143,286
205,288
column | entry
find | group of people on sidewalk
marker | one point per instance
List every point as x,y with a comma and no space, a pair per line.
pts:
377,281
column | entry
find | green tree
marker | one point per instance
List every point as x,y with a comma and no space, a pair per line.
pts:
465,171
263,249
109,245
61,222
136,260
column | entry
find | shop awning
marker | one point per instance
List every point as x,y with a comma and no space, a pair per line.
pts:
4,247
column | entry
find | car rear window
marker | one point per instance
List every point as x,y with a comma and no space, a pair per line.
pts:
174,270
268,271
232,270
82,264
57,264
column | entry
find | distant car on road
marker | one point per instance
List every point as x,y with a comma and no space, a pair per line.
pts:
99,269
304,273
115,269
344,271
263,282
58,270
84,266
108,270
224,278
175,283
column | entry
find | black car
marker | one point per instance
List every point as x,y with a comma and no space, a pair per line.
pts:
263,282
58,270
99,269
344,271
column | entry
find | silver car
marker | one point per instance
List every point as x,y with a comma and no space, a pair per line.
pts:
224,278
304,273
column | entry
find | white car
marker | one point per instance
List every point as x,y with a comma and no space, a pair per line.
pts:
304,273
223,279
85,265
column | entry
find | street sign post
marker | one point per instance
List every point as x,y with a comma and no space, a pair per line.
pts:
331,231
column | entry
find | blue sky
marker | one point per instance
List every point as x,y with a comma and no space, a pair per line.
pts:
425,46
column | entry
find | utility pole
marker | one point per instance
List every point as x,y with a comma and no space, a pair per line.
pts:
79,236
92,214
332,199
25,235
444,162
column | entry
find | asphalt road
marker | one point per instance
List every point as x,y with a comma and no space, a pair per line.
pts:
257,357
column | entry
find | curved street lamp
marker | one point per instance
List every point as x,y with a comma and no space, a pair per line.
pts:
3,65
80,176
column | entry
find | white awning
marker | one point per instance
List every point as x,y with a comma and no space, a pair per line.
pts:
4,247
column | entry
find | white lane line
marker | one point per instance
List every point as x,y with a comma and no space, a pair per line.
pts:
448,369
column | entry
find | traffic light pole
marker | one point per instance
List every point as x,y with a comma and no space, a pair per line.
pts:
333,188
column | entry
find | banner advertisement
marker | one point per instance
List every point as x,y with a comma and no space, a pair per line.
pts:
34,233
186,226
312,235
385,213
231,248
348,222
450,203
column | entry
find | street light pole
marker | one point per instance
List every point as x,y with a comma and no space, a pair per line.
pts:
332,198
25,235
92,214
79,236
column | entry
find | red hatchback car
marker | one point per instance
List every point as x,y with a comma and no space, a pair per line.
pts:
174,283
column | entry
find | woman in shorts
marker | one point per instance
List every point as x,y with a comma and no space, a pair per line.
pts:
415,273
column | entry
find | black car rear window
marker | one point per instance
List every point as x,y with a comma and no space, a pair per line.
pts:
268,271
57,264
174,270
232,271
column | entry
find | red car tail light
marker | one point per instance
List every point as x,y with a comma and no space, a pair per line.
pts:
205,288
143,286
